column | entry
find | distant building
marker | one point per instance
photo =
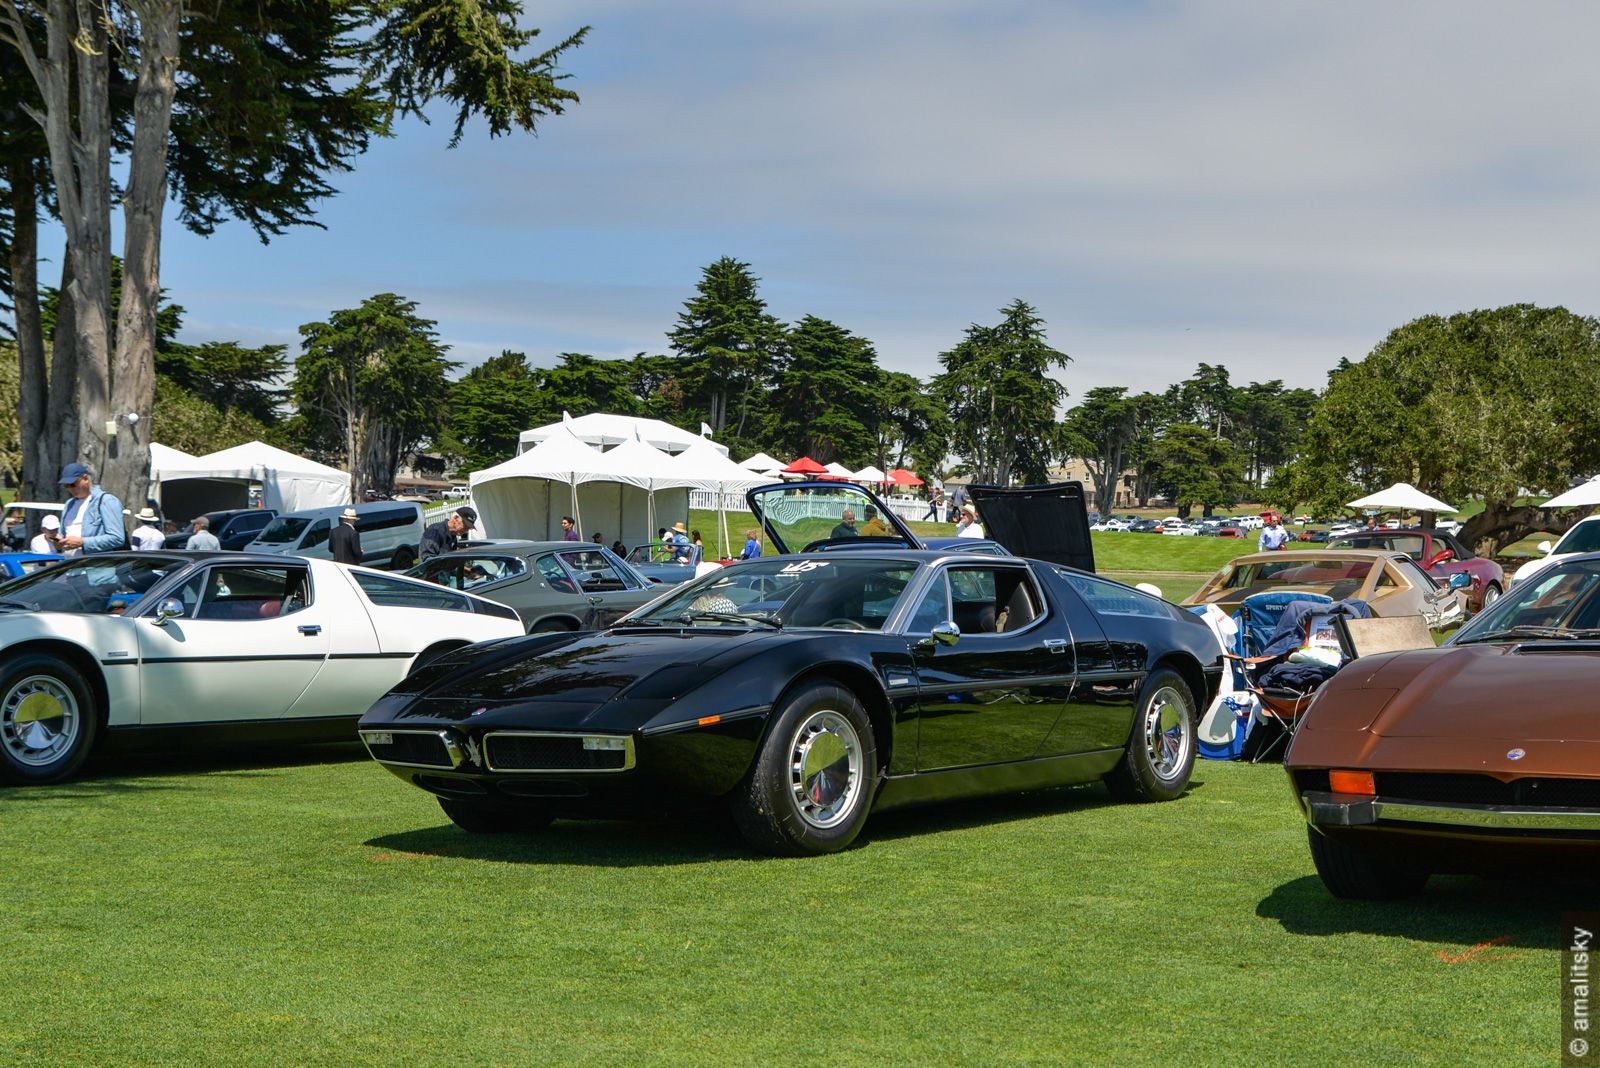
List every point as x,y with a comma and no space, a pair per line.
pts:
1078,471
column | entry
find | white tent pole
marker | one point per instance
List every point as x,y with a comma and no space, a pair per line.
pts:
577,516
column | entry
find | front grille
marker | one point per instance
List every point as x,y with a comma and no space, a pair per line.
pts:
407,748
1484,790
550,752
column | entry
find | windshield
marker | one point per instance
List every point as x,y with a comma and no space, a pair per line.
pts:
843,594
1297,570
1562,601
283,530
1583,538
1413,545
92,585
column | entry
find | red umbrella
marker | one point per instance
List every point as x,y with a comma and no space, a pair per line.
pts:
901,477
805,466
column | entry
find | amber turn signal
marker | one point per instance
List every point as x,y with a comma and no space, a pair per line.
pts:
706,721
1351,782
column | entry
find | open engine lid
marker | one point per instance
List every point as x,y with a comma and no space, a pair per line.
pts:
1045,522
813,516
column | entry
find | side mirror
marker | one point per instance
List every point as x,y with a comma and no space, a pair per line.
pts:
1546,547
169,608
946,633
1460,580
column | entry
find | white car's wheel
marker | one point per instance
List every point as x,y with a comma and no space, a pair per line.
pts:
48,719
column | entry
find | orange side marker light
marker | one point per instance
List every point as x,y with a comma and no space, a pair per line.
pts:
706,721
1351,782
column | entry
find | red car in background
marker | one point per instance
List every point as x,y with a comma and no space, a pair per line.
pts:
1440,554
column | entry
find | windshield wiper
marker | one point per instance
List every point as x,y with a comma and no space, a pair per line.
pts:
1533,630
731,617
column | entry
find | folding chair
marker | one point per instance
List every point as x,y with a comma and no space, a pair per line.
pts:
1258,618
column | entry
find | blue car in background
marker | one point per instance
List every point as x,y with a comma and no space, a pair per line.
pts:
15,565
665,563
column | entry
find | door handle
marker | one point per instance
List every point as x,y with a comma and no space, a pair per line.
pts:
596,600
1056,645
309,629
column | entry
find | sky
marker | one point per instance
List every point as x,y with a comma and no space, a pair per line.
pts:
1270,186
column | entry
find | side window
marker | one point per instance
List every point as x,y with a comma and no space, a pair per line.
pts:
482,570
933,609
243,592
385,518
1416,575
555,575
1113,599
401,593
630,581
594,571
445,572
992,600
318,533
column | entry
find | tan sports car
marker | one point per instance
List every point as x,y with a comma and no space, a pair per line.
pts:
1391,582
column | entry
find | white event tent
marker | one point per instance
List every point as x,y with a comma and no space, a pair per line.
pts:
189,485
869,474
164,456
713,471
604,430
1586,495
762,462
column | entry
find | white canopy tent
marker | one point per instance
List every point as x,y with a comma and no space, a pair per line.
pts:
526,496
869,474
164,456
762,462
604,430
1402,497
650,469
289,483
839,470
1584,496
713,471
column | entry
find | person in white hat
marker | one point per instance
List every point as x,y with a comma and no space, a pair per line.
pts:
49,531
344,542
147,536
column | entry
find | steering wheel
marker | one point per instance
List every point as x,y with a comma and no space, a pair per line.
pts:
847,624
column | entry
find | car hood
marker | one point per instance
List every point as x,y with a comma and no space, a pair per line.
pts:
595,668
1527,692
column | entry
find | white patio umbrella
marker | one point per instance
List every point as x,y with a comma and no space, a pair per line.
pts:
1584,496
1402,497
869,474
839,470
761,462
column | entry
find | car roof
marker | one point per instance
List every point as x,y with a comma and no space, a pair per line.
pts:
515,546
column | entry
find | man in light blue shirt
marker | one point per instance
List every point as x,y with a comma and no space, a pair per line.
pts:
91,518
1273,536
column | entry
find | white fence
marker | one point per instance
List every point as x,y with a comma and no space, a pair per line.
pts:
706,500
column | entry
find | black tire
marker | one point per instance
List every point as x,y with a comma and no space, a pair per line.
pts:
1161,746
403,558
1349,872
812,783
483,817
551,626
49,719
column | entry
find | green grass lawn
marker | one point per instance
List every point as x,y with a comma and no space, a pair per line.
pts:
309,909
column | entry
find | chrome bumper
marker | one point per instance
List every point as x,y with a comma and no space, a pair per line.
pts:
1349,810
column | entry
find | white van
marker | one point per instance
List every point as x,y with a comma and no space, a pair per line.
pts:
390,533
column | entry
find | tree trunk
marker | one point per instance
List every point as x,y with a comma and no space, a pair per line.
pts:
127,466
38,457
58,440
1502,523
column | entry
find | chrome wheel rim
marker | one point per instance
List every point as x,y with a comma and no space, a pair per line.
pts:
1490,596
825,769
39,721
1166,733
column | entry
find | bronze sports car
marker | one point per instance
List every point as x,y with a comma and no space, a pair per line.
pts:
1391,582
1482,754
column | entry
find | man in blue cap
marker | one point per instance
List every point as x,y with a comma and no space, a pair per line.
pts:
91,519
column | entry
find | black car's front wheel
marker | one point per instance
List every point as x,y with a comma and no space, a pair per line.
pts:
1352,873
483,817
811,785
1160,754
48,719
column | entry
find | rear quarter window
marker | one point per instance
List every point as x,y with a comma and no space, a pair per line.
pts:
401,593
1113,599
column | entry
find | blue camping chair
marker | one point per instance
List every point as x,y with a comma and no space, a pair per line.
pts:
1258,618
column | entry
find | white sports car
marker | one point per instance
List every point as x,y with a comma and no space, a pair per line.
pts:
253,645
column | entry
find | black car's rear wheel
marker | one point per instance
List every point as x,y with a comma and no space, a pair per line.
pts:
48,719
811,785
1350,872
1160,754
483,817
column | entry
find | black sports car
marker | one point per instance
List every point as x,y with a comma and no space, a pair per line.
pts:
805,691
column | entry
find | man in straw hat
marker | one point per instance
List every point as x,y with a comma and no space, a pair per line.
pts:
344,543
147,536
